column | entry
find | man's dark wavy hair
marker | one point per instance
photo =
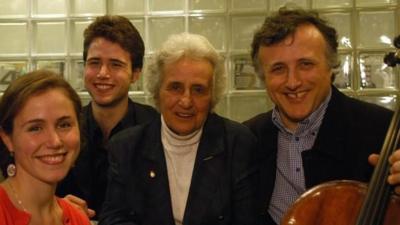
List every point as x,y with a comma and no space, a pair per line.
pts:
283,23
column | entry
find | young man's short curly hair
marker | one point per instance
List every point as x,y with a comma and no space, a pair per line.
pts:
116,29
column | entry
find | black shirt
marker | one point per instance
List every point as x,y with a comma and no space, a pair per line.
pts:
88,178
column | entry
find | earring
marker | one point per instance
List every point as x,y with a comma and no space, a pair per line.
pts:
11,168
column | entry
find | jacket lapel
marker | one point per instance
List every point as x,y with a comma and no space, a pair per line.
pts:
328,150
267,157
157,195
206,170
84,168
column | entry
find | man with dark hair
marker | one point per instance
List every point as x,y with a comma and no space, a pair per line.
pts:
314,133
113,54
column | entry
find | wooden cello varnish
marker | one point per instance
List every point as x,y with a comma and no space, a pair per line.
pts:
348,202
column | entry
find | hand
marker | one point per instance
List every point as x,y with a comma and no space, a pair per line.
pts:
373,159
394,161
80,204
394,177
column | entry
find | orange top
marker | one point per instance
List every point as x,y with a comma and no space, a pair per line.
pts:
10,215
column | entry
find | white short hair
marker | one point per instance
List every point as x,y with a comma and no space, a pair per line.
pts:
175,48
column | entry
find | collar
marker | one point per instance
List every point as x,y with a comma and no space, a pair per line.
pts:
93,129
179,140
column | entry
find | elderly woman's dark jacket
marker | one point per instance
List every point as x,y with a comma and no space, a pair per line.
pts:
222,186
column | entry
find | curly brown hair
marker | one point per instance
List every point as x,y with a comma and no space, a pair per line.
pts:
283,23
116,29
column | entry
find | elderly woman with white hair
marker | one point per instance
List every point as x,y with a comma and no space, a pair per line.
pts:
190,166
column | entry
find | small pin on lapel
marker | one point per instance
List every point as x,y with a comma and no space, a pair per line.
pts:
208,158
152,174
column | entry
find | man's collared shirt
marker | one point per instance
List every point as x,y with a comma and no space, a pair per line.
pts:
290,180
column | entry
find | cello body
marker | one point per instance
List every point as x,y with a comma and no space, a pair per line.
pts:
336,203
352,202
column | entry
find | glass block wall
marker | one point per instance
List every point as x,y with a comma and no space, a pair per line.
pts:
48,34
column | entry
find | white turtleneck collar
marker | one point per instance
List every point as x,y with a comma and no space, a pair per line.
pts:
180,155
177,140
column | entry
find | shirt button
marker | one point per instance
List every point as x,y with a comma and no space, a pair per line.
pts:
220,217
297,138
297,169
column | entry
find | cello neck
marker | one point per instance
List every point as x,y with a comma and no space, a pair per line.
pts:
379,191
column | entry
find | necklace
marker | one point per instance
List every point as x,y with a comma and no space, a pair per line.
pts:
19,201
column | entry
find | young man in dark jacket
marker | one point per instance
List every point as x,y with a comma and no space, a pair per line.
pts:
113,54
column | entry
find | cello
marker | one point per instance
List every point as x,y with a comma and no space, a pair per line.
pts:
347,202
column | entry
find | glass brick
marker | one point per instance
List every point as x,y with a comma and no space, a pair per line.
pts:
388,102
77,75
255,104
276,4
14,9
138,98
344,73
207,5
85,99
77,29
212,27
374,73
88,7
57,66
242,30
383,27
49,38
244,75
375,2
124,7
161,28
342,23
325,4
139,25
9,71
138,85
237,5
148,99
53,8
170,6
13,39
222,107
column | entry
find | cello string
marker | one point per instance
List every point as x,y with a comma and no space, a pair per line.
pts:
378,192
